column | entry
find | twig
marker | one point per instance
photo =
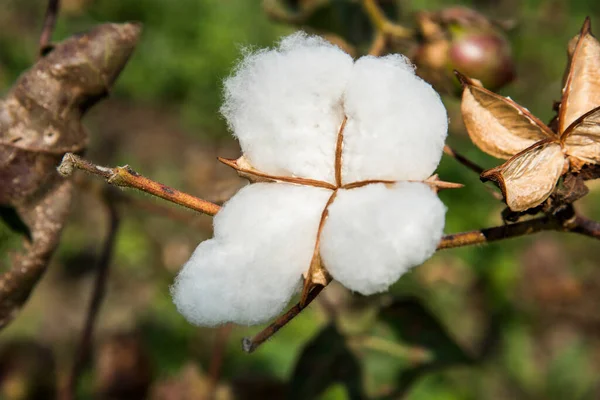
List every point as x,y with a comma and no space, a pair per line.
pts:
142,203
126,177
472,166
216,360
463,160
251,344
49,23
382,24
384,28
565,221
103,267
586,226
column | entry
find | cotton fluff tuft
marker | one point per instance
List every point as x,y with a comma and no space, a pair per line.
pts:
374,234
284,106
264,240
396,124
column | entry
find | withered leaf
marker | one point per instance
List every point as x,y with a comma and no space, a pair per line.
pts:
581,92
40,120
582,137
496,124
528,178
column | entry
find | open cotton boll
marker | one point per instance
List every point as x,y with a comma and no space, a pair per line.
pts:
374,234
284,106
264,241
396,124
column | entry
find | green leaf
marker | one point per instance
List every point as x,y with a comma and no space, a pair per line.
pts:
324,361
345,18
416,326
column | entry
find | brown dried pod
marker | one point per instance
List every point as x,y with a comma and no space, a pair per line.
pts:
40,121
538,155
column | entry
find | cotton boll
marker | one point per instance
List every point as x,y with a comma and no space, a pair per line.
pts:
284,106
396,124
374,234
264,241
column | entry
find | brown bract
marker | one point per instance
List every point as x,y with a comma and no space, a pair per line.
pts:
40,120
537,154
316,275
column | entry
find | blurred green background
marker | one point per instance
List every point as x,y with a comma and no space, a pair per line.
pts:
532,303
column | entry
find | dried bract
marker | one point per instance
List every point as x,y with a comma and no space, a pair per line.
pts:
537,154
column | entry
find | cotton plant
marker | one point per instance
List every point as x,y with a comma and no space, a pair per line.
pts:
340,156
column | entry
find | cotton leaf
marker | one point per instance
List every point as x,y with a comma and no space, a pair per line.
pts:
581,92
582,138
396,124
263,241
375,233
284,106
528,178
496,124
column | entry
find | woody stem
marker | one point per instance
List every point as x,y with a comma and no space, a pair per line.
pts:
564,221
251,344
126,177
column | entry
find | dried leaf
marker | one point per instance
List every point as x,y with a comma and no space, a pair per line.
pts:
40,120
496,124
528,178
582,137
581,92
324,361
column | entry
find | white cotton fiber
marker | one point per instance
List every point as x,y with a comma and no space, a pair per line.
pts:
374,234
263,243
396,125
284,106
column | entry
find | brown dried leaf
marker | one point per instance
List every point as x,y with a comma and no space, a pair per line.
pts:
40,120
582,137
528,178
581,92
496,124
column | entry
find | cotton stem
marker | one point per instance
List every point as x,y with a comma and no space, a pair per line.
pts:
126,177
49,23
565,221
251,344
385,29
463,160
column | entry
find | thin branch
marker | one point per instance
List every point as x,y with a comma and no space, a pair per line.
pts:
565,221
126,177
49,23
216,360
251,344
103,267
384,28
96,188
382,24
587,227
463,160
